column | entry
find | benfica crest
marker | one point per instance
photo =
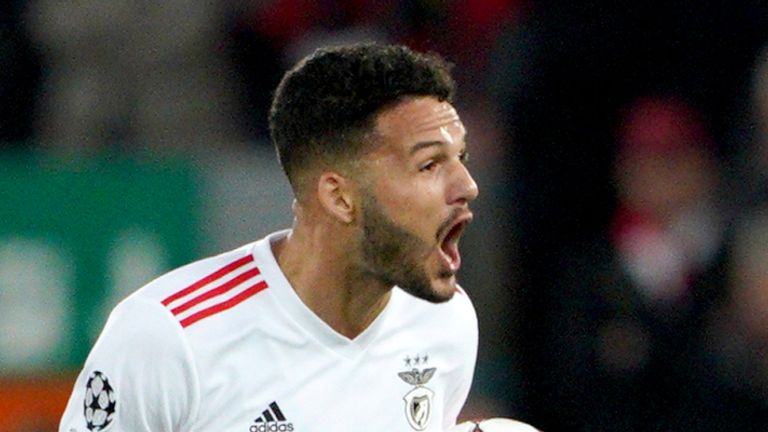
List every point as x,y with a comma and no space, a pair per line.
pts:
418,401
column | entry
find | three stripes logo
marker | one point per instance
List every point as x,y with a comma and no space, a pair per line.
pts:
271,420
223,289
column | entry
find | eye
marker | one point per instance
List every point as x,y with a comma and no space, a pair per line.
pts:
428,166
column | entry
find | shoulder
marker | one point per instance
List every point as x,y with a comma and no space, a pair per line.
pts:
145,363
206,287
196,275
460,310
462,302
463,311
138,326
456,316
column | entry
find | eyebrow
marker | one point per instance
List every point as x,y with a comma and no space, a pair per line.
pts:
425,144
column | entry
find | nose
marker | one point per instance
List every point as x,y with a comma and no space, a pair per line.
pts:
463,187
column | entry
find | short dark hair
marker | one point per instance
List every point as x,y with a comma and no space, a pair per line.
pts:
326,104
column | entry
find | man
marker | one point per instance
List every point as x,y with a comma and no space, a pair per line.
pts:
350,321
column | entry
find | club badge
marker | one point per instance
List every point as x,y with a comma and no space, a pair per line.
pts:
418,401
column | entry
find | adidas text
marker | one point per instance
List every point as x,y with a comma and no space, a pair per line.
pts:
272,427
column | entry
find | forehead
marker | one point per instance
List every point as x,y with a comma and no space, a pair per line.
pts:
419,119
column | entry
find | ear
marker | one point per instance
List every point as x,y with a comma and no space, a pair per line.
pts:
335,194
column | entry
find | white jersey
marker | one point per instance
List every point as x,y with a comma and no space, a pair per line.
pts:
225,345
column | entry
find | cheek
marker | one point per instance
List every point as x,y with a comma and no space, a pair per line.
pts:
411,200
416,206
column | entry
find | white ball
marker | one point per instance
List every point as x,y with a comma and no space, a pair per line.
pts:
497,424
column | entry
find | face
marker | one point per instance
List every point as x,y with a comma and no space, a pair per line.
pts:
415,198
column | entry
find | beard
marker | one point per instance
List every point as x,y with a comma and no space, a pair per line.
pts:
395,256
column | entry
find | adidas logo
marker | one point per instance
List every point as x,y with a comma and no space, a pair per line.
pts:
271,420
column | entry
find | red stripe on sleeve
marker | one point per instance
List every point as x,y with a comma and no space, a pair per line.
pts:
208,279
217,291
234,301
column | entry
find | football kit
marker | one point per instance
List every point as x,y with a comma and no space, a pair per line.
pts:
226,345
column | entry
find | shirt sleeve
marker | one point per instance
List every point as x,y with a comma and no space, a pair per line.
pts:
139,376
469,332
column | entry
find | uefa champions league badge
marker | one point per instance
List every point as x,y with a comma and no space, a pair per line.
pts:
100,402
418,401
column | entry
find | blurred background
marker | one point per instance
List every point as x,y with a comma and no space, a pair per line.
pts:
619,258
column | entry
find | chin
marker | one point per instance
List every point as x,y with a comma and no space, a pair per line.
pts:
438,290
443,289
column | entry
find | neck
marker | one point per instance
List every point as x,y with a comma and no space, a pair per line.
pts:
319,263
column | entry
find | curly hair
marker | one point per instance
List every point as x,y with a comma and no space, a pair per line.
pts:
324,107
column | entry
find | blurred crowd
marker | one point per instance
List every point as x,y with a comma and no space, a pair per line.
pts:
620,261
177,75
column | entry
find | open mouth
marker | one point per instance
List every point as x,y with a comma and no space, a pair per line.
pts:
449,245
